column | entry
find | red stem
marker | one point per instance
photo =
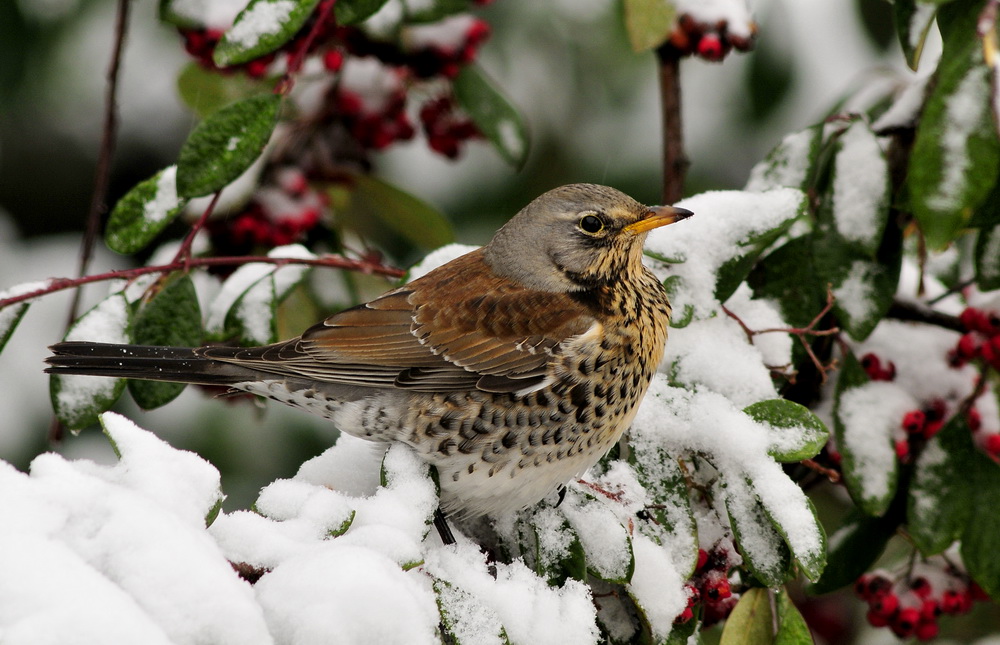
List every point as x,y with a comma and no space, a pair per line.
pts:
284,86
329,261
184,252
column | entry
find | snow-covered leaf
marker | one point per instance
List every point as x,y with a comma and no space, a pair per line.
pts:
350,12
913,19
956,134
865,414
796,433
371,205
262,27
493,114
788,276
670,505
171,318
558,552
11,315
206,91
77,400
656,587
859,201
764,551
144,212
606,543
789,164
225,144
854,547
987,259
648,22
465,620
940,499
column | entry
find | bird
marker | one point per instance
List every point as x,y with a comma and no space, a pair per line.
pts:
511,369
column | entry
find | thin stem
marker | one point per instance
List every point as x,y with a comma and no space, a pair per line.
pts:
184,253
105,154
329,261
295,62
675,162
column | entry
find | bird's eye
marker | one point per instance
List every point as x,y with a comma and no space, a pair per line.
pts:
591,224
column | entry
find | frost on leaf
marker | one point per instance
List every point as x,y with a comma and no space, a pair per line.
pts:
262,27
11,315
788,164
144,212
860,188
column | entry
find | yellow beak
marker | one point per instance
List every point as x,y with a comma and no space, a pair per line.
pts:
657,216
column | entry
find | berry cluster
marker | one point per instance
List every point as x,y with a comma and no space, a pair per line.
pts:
919,425
709,41
981,338
876,371
910,604
445,128
709,585
371,77
283,212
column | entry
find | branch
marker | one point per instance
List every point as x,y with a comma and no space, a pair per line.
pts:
109,133
295,61
329,261
184,252
914,312
675,162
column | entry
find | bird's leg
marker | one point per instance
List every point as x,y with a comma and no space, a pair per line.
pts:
441,524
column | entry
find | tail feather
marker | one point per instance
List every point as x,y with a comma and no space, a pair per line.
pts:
150,363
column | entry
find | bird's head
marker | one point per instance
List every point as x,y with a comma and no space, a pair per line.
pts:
576,237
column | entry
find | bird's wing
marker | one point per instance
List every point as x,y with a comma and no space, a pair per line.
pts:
454,329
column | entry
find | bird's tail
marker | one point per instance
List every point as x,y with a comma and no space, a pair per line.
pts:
174,364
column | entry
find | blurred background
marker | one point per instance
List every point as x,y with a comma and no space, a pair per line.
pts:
591,105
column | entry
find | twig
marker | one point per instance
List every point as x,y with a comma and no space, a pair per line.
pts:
295,62
675,162
916,313
329,261
829,473
184,253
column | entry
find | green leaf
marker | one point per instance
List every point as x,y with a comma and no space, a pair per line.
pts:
765,553
866,495
374,204
913,20
206,91
493,114
350,12
792,627
855,546
988,213
465,615
788,276
648,22
9,319
796,433
940,497
171,318
77,400
144,212
262,27
987,259
224,145
750,622
956,153
981,538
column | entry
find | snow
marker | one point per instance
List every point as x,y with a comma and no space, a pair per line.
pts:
723,224
510,138
12,313
218,14
262,18
255,308
374,83
164,200
965,111
656,586
604,539
734,13
906,107
448,34
989,263
437,258
860,187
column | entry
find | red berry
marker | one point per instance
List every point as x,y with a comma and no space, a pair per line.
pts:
333,60
684,616
861,586
906,621
478,32
702,559
876,619
921,587
717,588
878,586
871,365
257,68
886,605
932,428
976,593
710,47
991,351
929,610
973,319
951,602
913,421
991,444
936,411
974,419
349,103
968,346
902,449
889,373
926,630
